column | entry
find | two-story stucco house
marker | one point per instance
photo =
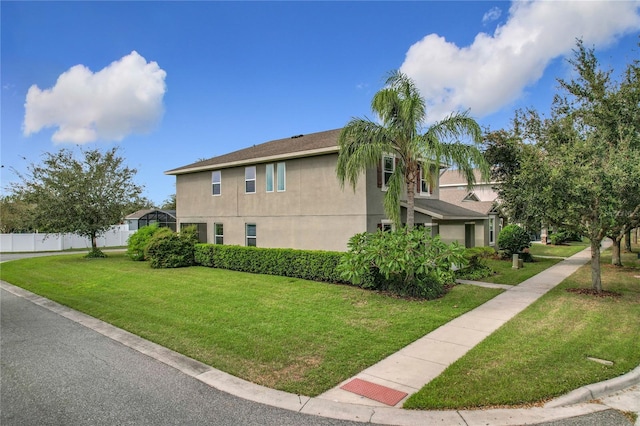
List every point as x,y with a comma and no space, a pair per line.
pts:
285,193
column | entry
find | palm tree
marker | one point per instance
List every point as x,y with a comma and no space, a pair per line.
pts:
402,112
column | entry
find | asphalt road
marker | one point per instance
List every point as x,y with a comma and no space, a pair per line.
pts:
57,372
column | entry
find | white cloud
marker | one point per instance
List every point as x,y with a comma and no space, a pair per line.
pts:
494,70
122,98
492,15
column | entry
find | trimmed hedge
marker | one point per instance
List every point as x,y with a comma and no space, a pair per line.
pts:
312,265
167,249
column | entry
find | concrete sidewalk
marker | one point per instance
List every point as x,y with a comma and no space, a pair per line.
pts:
409,369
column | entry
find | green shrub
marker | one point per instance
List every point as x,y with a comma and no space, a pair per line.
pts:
95,253
477,267
513,239
168,249
564,235
411,262
138,242
312,265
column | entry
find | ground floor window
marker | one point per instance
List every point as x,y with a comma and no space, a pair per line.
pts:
492,230
218,231
251,235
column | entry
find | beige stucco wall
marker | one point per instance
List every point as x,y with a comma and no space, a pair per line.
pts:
312,213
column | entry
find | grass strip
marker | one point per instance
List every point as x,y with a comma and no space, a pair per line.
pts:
542,353
289,334
563,250
505,274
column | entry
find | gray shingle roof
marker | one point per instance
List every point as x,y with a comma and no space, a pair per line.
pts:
291,147
453,177
456,197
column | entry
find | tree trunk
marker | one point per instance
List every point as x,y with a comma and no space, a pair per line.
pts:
627,241
596,280
411,192
616,260
94,241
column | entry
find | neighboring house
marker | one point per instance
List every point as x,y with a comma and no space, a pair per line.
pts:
285,193
481,198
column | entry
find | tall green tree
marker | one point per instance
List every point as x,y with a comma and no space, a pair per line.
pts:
82,196
14,215
401,131
583,167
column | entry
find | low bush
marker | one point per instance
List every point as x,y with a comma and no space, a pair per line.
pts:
477,267
312,265
564,235
95,253
168,249
513,239
404,262
138,242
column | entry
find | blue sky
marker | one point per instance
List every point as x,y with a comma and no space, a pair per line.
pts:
174,82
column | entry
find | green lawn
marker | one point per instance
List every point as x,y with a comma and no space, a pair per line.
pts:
298,336
563,250
505,274
542,353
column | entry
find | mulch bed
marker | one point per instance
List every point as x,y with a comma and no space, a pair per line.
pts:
592,292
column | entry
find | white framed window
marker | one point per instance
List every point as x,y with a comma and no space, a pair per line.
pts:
218,233
269,177
216,182
388,167
282,177
492,230
250,180
251,235
425,184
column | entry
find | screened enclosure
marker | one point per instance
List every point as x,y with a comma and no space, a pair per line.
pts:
164,218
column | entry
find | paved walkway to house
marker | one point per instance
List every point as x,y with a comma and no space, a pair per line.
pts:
391,381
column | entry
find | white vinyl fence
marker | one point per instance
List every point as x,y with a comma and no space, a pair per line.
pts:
116,236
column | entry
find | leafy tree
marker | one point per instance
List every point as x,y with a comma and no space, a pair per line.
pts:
169,203
14,215
402,113
582,171
84,197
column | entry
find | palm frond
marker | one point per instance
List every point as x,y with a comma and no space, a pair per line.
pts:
361,145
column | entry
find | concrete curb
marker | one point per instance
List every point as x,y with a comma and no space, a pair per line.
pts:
319,406
597,390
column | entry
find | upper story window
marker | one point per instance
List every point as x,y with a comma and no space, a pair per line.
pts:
269,177
279,179
388,167
216,182
250,180
425,184
282,177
